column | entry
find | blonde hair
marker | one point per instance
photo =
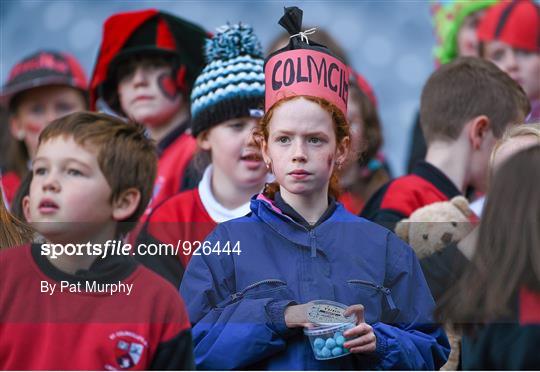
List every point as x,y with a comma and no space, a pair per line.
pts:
512,132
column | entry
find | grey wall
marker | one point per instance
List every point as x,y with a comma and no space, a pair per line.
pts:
389,42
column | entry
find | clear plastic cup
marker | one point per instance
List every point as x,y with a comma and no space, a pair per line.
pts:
326,338
327,341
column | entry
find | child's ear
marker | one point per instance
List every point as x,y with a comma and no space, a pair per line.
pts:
202,140
126,204
478,131
26,208
342,152
264,152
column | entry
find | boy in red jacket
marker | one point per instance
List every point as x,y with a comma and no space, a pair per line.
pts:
145,70
80,301
465,107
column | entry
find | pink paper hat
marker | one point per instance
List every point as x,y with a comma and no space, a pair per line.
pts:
304,68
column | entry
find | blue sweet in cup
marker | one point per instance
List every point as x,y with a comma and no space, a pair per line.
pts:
323,343
326,338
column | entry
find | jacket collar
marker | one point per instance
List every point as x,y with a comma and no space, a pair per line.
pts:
289,211
436,177
267,210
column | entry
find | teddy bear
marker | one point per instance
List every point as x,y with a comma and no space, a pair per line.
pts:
428,230
431,228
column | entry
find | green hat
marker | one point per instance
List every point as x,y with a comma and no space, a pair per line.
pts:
448,17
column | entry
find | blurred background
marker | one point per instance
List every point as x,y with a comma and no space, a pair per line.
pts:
389,42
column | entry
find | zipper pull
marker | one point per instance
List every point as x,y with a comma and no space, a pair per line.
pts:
389,300
312,244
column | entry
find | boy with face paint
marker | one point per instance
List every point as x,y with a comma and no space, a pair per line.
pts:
509,36
144,71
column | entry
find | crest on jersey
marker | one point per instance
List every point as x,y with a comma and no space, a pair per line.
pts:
129,349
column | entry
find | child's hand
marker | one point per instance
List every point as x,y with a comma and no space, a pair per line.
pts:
363,337
296,316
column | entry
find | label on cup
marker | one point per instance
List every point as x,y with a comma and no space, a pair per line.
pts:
323,314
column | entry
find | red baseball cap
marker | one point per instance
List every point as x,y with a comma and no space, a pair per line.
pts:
41,69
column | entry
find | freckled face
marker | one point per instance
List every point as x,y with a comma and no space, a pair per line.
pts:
302,146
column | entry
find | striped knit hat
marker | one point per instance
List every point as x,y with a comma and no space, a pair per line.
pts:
232,83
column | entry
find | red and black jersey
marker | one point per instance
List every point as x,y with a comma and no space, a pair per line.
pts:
400,197
182,218
74,329
10,184
175,152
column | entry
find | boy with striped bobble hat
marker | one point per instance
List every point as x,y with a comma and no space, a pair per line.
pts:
226,104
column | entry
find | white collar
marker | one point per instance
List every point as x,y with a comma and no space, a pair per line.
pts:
217,211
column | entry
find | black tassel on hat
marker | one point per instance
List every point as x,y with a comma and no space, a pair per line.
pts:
292,22
304,67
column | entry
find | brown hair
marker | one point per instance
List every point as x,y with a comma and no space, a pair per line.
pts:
341,129
126,156
507,255
372,131
464,89
12,231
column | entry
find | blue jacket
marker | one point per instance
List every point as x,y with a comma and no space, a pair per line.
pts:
236,302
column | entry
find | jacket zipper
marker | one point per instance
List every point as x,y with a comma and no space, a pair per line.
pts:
240,294
385,291
312,243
